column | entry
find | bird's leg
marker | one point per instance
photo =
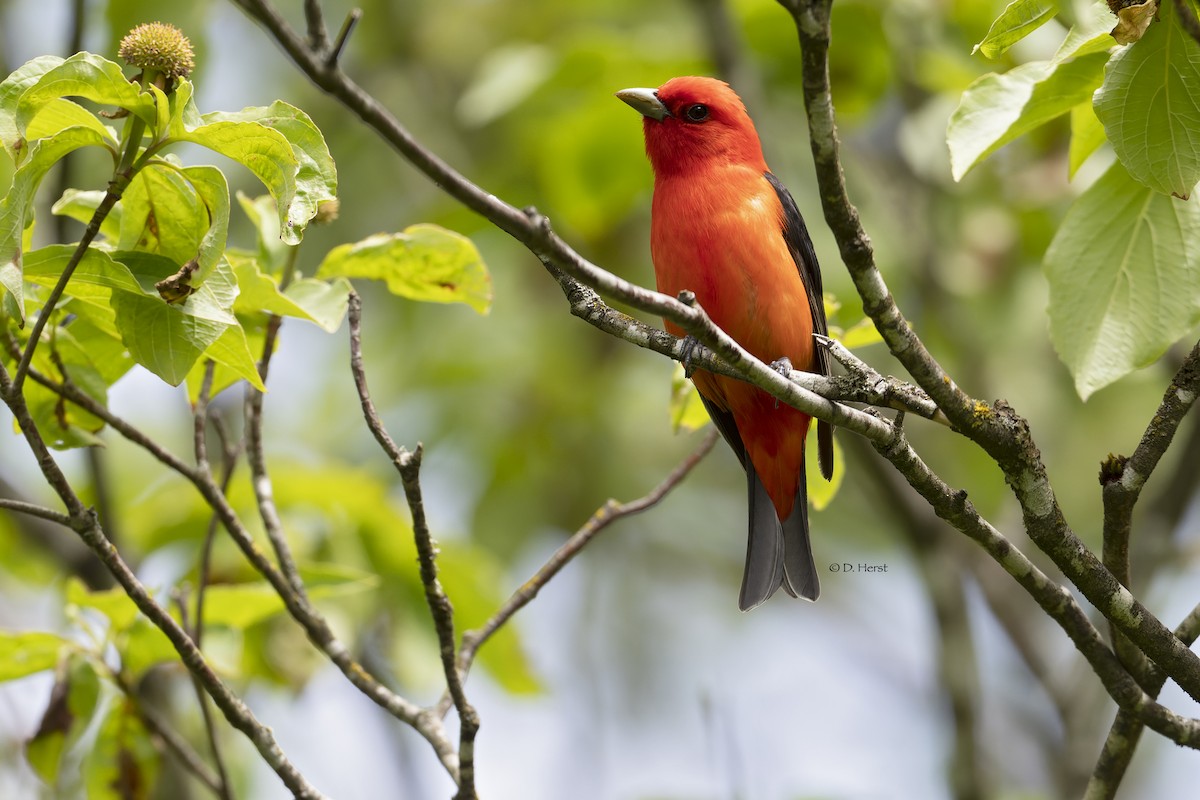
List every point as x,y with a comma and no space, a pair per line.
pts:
784,367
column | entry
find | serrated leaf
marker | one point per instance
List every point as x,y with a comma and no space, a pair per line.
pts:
1149,104
26,653
686,409
1087,134
1124,272
91,77
1019,19
424,262
998,108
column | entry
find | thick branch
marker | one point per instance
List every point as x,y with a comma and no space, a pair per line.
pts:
997,428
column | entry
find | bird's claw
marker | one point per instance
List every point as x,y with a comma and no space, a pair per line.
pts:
784,367
689,348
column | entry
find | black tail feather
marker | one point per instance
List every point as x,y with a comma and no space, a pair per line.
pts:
777,554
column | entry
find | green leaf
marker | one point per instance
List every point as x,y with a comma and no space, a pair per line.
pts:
1149,105
81,205
123,763
239,606
272,252
261,149
1018,20
1090,34
1124,272
687,410
996,108
320,302
316,176
163,338
1087,134
166,338
72,703
820,491
113,603
162,213
232,350
24,654
58,115
12,137
91,77
16,208
210,185
425,262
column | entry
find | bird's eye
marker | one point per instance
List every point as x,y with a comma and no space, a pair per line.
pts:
697,112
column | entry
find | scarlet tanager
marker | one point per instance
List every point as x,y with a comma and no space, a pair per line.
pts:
725,228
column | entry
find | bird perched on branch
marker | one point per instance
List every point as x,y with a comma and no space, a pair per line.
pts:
725,228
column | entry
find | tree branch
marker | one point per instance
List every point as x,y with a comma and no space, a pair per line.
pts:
83,521
1003,434
408,464
604,516
315,625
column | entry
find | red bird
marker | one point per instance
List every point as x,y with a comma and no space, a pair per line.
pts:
725,228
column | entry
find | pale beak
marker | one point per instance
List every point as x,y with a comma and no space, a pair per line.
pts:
645,102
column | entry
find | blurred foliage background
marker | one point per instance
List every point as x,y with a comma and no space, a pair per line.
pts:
633,675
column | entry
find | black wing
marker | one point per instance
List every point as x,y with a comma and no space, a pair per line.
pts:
801,247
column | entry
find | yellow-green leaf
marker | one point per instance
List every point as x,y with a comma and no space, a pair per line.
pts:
424,262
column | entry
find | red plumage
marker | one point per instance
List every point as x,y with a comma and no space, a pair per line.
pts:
723,227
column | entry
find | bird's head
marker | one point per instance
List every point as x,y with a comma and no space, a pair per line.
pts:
691,122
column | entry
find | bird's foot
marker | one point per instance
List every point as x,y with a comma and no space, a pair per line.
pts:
689,348
784,367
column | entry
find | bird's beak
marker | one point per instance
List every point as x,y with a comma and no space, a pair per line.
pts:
645,102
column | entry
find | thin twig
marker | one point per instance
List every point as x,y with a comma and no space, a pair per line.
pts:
260,479
314,18
335,52
606,515
200,414
408,464
315,625
34,510
85,523
172,741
